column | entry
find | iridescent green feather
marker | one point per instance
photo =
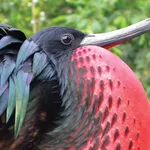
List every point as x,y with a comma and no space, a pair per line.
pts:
7,40
22,97
40,61
11,99
8,67
26,50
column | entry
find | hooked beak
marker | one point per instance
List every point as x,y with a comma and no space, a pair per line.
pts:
110,39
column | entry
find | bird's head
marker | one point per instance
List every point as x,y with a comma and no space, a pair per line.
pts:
92,89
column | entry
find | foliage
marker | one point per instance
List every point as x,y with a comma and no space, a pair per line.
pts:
89,16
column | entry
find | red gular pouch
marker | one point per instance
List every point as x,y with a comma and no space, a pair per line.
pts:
115,108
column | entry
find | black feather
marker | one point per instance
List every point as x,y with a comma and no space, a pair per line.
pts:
34,76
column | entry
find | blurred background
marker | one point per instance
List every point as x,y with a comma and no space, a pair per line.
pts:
93,16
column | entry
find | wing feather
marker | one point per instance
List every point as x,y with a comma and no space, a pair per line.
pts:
21,62
11,40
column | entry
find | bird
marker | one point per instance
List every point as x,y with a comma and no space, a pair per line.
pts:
62,89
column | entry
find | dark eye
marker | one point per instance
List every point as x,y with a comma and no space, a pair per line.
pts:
67,39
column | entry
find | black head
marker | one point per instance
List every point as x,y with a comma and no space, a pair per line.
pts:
58,40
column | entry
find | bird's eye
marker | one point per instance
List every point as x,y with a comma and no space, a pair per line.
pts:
67,39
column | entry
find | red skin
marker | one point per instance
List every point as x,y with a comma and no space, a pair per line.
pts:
133,109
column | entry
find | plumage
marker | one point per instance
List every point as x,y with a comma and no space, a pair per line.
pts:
40,61
56,92
7,40
11,98
22,97
8,67
9,45
3,101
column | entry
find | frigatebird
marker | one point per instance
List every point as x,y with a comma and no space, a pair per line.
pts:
62,89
